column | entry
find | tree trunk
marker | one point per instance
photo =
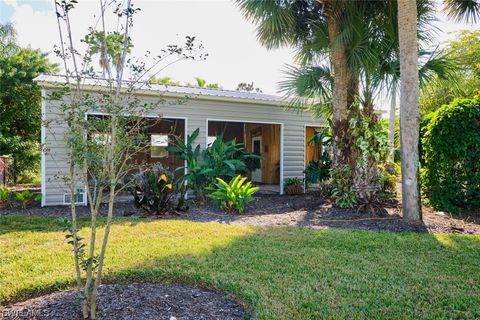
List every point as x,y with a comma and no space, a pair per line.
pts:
391,125
338,57
409,111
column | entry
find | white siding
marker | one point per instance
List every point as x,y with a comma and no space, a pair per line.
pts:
196,111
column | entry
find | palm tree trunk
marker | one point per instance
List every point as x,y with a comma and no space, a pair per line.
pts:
409,111
338,57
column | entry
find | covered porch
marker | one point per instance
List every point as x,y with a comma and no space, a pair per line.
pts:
263,139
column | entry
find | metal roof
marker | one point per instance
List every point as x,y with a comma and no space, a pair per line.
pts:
145,87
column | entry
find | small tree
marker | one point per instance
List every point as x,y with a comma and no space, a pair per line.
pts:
102,146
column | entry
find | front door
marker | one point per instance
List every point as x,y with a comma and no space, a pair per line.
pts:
257,148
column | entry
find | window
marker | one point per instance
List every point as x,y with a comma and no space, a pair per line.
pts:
159,142
211,140
101,138
79,197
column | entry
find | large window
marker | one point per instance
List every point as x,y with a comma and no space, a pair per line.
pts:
159,143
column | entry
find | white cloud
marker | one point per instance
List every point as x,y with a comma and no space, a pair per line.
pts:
234,54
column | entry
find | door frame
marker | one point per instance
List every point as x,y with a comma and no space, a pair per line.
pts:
258,138
282,127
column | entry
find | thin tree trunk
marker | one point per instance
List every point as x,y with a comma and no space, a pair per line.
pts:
391,125
409,111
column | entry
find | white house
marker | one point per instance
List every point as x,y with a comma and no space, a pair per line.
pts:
260,121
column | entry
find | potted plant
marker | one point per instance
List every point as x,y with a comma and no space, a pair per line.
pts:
294,186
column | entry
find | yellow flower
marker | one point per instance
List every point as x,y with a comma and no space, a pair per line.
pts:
163,177
169,186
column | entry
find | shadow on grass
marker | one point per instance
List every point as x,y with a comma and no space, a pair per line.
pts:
297,273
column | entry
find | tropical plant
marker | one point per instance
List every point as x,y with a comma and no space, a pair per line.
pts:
197,174
153,190
5,194
451,171
318,171
293,186
227,159
340,181
370,143
222,159
24,197
233,195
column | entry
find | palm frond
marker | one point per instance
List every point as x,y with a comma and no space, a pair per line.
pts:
463,10
308,88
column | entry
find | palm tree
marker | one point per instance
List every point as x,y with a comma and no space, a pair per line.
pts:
468,10
409,110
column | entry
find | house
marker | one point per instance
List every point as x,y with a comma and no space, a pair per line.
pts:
260,121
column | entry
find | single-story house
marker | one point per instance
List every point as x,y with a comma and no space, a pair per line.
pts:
259,121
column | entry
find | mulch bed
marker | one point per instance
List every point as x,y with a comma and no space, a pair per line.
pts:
307,210
134,301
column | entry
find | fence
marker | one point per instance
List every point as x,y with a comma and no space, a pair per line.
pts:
6,171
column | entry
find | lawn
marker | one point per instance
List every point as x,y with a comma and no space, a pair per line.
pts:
278,272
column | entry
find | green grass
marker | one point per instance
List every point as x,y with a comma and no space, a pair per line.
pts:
280,273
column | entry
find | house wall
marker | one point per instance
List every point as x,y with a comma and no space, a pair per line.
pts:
196,111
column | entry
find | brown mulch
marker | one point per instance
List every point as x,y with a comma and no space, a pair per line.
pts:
307,210
134,301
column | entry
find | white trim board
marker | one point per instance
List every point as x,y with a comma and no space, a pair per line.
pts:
43,164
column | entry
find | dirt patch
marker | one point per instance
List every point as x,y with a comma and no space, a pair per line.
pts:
134,301
307,210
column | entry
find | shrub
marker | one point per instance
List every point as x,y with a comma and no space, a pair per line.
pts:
388,177
317,171
153,190
342,193
228,159
451,151
5,196
24,197
233,195
293,186
221,159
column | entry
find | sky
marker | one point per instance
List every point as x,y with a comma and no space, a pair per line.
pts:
234,54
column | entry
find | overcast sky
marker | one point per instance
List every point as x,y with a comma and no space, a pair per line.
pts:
234,54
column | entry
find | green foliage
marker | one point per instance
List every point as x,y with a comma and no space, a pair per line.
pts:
112,53
342,193
24,197
233,195
221,159
388,177
20,102
451,151
463,82
153,190
370,145
5,196
318,171
227,159
197,174
293,186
